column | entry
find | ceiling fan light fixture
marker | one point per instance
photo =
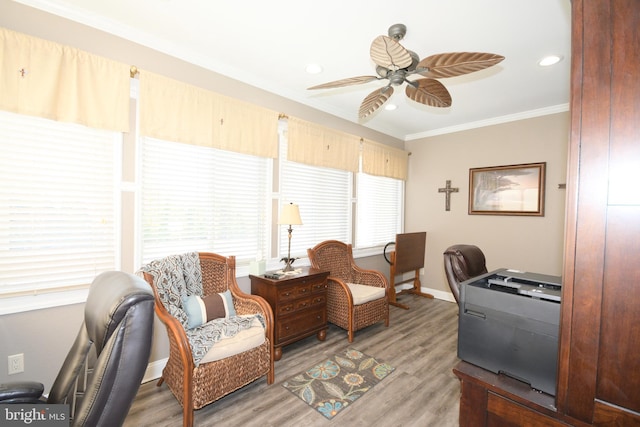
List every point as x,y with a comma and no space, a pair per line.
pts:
390,107
549,60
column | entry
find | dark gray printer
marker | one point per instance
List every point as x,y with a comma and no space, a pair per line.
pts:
509,323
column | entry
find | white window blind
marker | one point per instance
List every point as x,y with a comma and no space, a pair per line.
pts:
324,199
203,199
379,210
58,204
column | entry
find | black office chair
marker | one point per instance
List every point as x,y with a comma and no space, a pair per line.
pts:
462,262
118,323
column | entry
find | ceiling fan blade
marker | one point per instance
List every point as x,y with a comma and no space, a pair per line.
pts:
388,53
345,82
429,92
374,100
457,63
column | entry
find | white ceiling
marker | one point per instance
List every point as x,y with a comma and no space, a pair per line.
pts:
269,43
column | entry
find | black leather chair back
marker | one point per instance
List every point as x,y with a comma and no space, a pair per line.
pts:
118,323
462,262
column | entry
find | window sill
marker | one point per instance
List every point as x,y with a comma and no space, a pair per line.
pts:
367,252
20,304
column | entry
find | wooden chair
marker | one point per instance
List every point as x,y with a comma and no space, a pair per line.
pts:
198,384
408,256
356,298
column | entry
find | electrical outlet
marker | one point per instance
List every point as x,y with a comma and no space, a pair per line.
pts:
16,363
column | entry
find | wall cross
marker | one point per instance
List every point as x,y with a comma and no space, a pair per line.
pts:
448,189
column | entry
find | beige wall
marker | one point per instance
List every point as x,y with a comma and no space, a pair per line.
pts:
519,242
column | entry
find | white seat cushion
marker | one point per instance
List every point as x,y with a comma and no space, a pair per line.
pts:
242,341
364,293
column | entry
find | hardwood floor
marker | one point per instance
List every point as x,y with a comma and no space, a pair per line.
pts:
420,343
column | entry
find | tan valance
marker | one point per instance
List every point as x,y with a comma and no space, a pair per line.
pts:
383,160
175,111
317,145
46,79
246,128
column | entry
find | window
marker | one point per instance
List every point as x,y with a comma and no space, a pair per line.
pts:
326,206
58,204
203,199
61,192
324,199
379,210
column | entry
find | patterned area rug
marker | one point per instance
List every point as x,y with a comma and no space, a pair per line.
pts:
334,384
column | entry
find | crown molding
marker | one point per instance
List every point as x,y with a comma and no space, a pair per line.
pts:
554,109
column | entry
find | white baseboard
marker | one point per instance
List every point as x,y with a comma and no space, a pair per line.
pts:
154,369
442,295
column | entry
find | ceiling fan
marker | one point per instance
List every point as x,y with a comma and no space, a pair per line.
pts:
395,64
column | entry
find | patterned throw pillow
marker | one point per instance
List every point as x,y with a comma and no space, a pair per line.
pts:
200,310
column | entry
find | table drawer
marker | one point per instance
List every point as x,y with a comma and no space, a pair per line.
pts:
292,292
297,324
301,304
319,287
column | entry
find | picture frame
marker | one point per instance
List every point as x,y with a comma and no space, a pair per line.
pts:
507,190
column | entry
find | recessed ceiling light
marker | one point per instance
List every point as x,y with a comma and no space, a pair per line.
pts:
550,60
390,107
314,69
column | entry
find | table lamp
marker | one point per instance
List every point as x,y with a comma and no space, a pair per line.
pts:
289,215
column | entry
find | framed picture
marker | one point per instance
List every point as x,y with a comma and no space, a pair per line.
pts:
507,190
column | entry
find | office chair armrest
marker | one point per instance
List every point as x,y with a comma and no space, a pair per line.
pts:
21,392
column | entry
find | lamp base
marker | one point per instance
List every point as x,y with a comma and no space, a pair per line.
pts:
287,264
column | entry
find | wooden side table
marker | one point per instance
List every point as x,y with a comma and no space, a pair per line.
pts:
299,304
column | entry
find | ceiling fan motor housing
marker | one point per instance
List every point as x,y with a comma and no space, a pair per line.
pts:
396,78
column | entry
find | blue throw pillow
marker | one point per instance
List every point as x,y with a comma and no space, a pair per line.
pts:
201,310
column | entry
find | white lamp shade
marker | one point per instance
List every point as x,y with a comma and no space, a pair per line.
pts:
290,214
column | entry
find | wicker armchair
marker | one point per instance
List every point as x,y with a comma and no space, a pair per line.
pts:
198,384
350,307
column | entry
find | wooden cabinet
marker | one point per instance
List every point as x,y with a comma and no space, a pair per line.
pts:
598,365
299,304
494,400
